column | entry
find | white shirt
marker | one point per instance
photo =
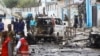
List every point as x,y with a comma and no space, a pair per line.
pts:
18,45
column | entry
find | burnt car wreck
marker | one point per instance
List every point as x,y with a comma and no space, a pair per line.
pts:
50,30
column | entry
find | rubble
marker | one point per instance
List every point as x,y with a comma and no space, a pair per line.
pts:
41,50
75,46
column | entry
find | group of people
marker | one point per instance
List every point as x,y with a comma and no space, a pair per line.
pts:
8,45
14,37
18,25
30,23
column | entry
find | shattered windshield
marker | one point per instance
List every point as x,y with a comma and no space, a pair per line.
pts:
44,21
58,21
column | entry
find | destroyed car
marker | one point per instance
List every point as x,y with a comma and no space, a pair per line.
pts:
48,29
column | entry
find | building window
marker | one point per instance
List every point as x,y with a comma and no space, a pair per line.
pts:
47,8
54,6
50,7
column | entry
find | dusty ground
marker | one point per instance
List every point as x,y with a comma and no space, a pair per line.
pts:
54,50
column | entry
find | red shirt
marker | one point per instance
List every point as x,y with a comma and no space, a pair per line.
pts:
24,47
5,47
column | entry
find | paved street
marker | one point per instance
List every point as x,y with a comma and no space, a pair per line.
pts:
54,50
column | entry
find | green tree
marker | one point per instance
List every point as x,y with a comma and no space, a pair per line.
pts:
10,3
21,3
27,3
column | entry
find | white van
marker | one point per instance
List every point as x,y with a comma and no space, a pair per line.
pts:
46,28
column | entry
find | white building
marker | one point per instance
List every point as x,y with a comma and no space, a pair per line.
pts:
72,7
4,10
61,10
53,7
50,7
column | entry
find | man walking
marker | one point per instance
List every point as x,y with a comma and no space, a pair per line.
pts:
75,21
21,25
15,26
22,46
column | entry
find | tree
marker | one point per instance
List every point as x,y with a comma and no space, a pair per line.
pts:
21,3
10,3
27,3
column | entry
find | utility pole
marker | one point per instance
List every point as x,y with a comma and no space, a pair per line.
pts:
38,6
69,13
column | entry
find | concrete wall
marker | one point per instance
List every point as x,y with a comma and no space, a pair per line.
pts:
60,9
25,11
98,15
